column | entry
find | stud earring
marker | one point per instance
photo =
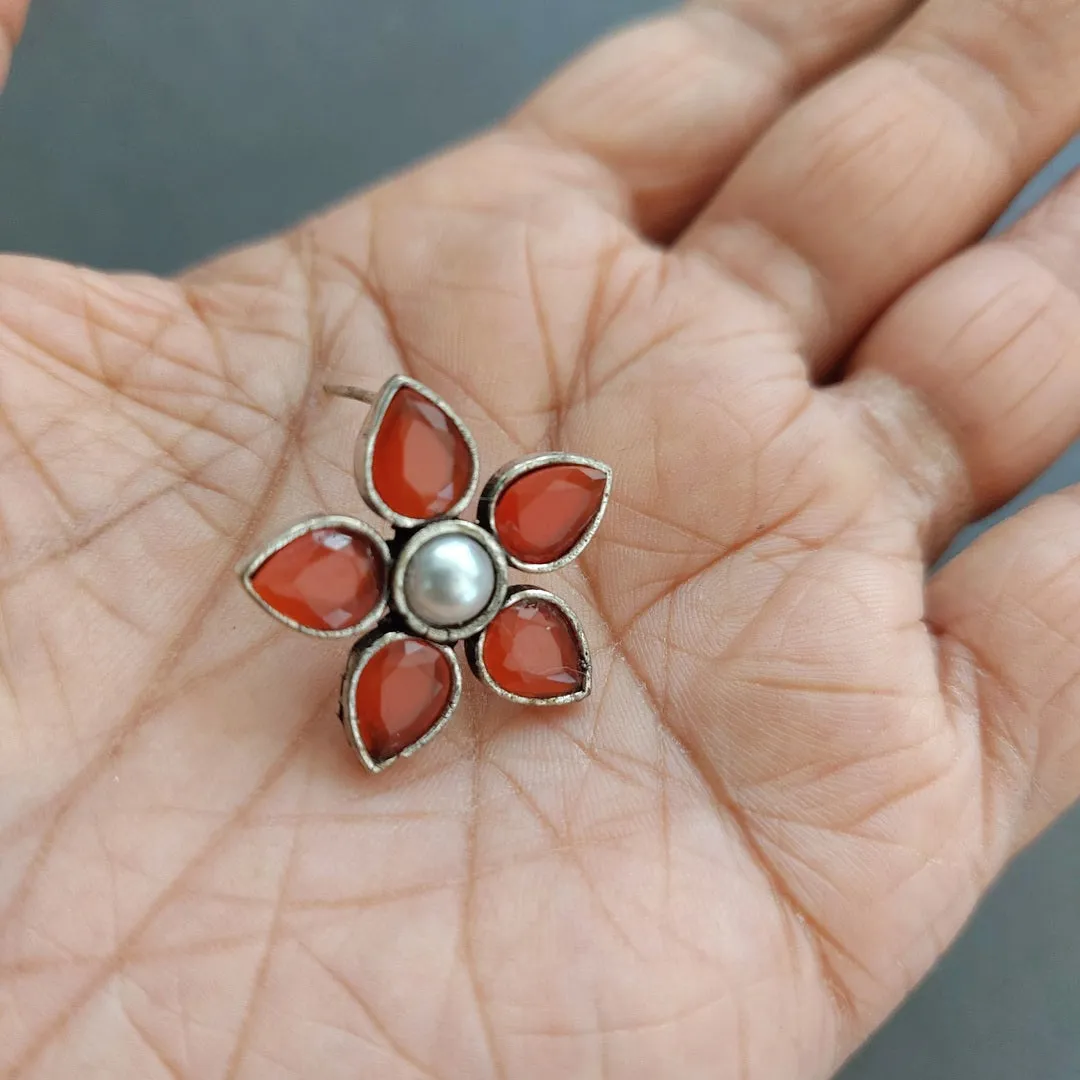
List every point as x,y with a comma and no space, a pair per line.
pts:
439,579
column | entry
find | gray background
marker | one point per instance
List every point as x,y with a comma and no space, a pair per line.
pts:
147,134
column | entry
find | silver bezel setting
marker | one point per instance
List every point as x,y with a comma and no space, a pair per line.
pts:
392,619
361,654
248,569
474,650
365,452
501,480
444,634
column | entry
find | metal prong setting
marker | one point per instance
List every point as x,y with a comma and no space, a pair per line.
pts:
401,565
362,652
365,450
250,567
509,473
519,594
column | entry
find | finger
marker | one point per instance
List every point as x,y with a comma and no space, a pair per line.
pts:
888,169
1007,612
12,18
991,344
669,105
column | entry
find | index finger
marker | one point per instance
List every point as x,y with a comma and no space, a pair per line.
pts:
668,106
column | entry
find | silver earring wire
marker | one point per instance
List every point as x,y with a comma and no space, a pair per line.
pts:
353,393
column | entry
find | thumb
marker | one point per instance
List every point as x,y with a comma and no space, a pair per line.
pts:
12,17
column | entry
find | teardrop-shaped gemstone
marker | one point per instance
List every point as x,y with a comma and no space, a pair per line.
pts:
421,464
401,694
328,579
531,650
542,515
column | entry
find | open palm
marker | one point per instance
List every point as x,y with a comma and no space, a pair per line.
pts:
803,760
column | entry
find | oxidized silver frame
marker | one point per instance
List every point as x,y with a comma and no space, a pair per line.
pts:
251,566
362,652
365,450
451,526
502,479
392,620
474,649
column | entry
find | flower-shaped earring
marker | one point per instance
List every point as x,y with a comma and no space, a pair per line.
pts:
439,579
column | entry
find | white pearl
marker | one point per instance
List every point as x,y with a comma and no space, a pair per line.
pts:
449,581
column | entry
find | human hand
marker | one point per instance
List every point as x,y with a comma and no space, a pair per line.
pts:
803,761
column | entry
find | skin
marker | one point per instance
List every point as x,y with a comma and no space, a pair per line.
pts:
752,292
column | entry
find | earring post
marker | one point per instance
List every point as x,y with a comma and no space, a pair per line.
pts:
354,393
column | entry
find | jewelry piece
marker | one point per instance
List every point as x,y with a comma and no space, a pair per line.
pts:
439,579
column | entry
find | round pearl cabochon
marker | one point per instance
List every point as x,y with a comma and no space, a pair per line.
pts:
449,581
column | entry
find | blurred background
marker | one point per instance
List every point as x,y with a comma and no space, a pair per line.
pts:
148,135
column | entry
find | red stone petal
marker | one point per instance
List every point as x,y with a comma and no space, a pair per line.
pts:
532,651
328,579
421,463
401,694
542,515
